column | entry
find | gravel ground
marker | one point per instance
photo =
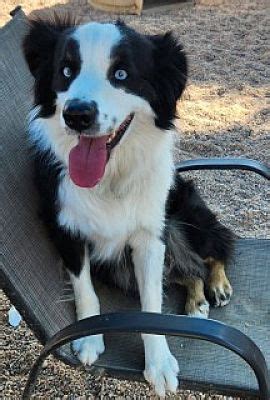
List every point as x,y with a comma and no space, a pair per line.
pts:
224,112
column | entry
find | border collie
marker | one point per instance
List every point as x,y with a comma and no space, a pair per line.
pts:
102,129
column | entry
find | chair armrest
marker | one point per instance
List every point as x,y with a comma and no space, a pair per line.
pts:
224,164
160,324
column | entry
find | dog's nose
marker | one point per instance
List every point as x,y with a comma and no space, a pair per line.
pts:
80,115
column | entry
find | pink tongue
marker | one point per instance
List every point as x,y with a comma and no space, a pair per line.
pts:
87,161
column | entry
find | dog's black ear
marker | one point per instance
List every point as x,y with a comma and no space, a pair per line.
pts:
169,77
120,23
170,61
40,42
39,45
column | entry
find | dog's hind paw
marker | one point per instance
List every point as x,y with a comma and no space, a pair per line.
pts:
220,294
219,290
88,348
198,309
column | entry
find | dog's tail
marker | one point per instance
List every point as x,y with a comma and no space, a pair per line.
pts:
181,261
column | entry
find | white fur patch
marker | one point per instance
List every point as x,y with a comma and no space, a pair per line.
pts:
161,368
87,303
90,347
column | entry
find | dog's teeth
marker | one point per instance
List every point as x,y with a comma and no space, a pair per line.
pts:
120,130
111,137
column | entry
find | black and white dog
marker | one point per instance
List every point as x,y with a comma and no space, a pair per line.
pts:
102,133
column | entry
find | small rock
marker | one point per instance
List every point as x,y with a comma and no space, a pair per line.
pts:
14,317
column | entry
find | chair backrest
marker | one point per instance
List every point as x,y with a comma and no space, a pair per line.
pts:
30,270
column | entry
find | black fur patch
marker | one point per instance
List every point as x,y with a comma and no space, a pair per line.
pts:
157,70
67,54
117,273
204,233
46,47
47,178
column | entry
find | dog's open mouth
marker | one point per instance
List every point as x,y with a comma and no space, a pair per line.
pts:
117,135
87,160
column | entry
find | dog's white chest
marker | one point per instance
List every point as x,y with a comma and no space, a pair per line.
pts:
85,211
104,219
93,213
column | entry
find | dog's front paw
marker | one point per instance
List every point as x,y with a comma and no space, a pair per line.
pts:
88,348
161,370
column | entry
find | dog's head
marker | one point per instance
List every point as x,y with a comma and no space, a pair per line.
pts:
97,77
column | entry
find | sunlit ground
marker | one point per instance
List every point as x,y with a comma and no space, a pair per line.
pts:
213,108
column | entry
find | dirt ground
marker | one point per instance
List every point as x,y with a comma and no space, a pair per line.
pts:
225,111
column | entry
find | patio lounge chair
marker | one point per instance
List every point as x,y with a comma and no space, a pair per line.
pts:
31,278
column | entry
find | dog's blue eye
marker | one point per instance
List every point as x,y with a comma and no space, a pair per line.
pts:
67,72
120,74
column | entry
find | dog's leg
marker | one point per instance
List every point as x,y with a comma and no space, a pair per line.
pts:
219,287
161,368
75,255
88,348
196,303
